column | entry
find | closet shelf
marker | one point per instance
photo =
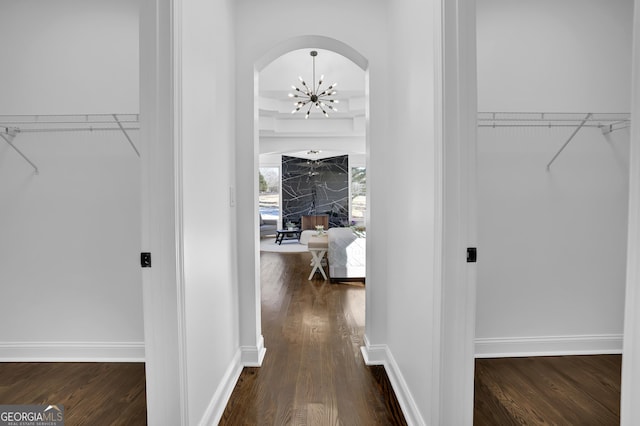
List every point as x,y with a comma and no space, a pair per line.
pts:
68,123
607,121
12,125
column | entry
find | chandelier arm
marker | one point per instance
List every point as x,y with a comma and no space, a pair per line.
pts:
319,84
328,93
311,94
299,105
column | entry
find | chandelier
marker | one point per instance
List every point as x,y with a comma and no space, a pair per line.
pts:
314,95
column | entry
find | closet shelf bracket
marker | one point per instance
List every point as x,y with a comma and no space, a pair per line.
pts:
9,134
575,132
126,135
610,128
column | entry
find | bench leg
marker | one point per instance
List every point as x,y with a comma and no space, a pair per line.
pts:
316,262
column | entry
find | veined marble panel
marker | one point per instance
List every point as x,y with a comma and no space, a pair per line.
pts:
314,187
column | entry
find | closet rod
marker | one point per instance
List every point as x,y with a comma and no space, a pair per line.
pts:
545,116
606,127
607,121
71,122
12,125
69,129
67,118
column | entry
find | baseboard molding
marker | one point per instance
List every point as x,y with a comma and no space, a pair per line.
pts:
71,351
548,346
373,354
215,409
381,355
252,356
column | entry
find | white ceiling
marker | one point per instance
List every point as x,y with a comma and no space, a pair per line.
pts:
282,132
279,75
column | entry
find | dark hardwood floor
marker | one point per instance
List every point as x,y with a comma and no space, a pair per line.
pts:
313,372
91,393
570,390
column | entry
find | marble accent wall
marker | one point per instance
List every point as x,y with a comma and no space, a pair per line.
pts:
313,187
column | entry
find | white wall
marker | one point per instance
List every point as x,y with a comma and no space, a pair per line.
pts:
69,252
554,56
552,244
411,172
69,56
208,127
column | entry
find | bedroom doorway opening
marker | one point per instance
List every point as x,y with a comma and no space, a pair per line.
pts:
312,166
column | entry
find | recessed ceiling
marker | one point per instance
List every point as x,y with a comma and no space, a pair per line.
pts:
287,133
279,75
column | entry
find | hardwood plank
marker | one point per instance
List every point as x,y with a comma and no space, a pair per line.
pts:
92,393
313,372
566,390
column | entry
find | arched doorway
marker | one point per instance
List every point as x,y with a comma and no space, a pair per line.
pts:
252,344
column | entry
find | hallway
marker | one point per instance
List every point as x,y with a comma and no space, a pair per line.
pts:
313,372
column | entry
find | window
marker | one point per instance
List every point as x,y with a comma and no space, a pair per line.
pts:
269,189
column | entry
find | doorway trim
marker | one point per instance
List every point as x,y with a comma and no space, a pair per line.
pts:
456,221
161,193
252,341
630,390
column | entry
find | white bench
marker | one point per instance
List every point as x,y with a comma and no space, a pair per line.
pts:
318,246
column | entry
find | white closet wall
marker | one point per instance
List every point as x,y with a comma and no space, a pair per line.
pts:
552,243
70,284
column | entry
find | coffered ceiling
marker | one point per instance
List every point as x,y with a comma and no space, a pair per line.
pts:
283,132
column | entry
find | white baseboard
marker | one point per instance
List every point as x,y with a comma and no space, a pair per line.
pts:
381,355
548,346
215,409
373,354
71,351
252,356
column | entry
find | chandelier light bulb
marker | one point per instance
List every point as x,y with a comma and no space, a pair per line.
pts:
312,94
